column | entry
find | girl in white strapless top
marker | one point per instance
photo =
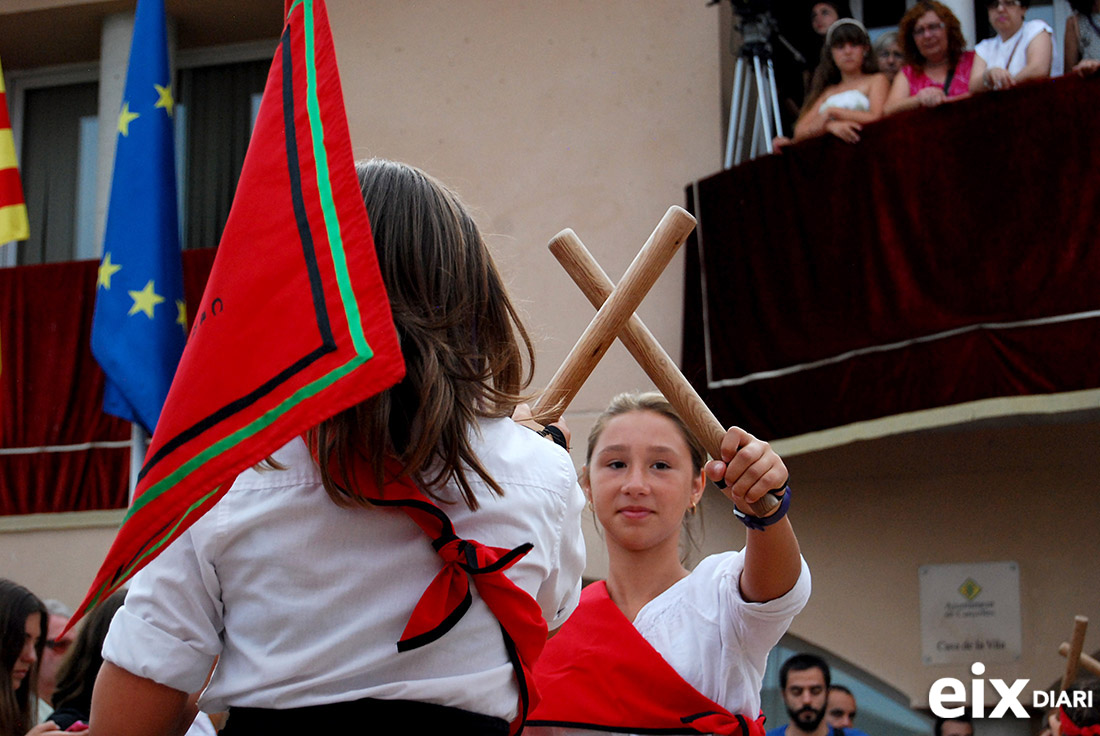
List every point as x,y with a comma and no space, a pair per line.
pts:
847,91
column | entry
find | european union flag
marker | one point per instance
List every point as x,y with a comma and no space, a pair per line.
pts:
140,322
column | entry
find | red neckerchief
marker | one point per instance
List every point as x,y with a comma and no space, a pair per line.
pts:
1069,728
599,672
447,598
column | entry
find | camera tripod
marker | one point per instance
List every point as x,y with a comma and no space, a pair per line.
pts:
754,104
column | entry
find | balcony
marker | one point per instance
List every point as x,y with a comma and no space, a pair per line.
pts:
943,264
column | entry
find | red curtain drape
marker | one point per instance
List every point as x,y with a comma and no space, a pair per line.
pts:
949,256
51,391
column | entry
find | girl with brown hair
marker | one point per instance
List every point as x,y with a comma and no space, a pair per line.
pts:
23,621
402,562
847,91
657,648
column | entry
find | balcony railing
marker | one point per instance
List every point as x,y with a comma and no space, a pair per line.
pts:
951,256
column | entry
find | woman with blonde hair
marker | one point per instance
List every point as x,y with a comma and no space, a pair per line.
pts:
656,648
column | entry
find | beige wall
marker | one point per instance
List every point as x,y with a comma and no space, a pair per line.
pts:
870,513
590,115
594,115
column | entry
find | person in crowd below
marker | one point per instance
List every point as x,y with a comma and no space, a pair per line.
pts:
1079,720
955,726
311,580
1082,38
804,681
888,55
23,623
57,644
937,64
1049,719
847,90
72,697
840,711
1021,50
655,644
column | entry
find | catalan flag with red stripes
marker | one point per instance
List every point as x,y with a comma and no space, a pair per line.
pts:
13,208
294,325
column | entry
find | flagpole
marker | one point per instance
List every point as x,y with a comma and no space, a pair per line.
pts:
139,442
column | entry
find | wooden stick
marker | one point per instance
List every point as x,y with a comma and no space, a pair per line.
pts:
661,369
1080,624
670,234
1084,660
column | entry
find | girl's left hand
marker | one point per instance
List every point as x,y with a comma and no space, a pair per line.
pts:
522,415
749,466
845,130
49,728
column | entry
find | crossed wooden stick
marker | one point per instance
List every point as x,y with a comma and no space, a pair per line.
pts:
1072,652
615,318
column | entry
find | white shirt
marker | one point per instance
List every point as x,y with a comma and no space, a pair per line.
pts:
849,99
715,639
997,53
305,601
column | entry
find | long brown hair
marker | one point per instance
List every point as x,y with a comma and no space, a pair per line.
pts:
827,73
76,677
461,338
956,42
17,711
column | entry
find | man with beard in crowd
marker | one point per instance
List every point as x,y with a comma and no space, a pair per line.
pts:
804,680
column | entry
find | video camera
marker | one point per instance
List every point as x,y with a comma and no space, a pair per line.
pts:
756,25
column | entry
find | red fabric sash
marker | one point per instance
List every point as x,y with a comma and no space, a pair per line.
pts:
599,672
1069,728
447,598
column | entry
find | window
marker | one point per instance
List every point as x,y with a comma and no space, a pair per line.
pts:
219,105
60,144
216,107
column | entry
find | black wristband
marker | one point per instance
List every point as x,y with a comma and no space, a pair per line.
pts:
555,434
762,522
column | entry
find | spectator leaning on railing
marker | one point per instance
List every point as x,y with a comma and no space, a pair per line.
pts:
847,91
1082,37
937,64
1021,50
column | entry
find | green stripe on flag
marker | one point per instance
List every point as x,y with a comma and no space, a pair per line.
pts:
229,441
324,188
168,535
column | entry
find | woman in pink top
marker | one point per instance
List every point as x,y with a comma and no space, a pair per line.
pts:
937,66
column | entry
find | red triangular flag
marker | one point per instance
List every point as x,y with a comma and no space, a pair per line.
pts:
294,325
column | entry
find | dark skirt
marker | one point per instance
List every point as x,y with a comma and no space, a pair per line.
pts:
368,715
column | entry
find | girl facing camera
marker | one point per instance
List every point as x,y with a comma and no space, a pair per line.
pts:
847,91
655,646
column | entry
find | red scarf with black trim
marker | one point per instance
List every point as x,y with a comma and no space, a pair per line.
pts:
448,597
599,673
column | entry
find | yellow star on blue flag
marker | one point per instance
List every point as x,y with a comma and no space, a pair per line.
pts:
137,344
